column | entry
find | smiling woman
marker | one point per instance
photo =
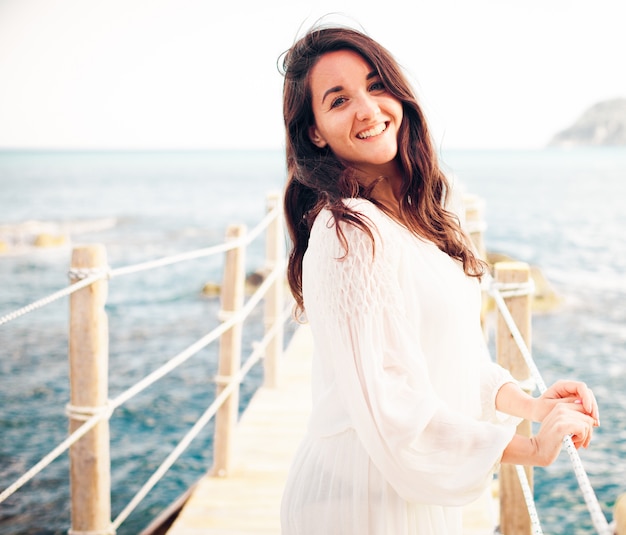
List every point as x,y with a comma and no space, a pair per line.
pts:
355,115
404,427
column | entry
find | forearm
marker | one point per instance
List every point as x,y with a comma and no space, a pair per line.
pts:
511,399
521,450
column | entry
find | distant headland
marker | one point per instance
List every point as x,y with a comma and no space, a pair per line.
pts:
604,124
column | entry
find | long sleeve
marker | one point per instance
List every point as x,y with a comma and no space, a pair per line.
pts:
372,335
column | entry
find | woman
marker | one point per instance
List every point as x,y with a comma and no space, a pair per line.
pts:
409,414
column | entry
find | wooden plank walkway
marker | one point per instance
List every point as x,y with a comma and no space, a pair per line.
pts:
248,501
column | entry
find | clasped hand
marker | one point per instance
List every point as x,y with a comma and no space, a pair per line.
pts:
566,408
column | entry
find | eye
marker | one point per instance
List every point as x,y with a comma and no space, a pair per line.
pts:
337,102
377,86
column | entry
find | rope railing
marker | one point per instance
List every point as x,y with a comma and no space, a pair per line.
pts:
54,454
51,298
85,278
88,417
498,291
201,423
535,523
149,380
200,344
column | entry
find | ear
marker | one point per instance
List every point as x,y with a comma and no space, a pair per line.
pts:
316,138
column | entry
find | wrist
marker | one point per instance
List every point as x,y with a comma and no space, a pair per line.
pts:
522,450
511,399
537,458
535,411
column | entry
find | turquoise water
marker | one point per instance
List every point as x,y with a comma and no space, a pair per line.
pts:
559,210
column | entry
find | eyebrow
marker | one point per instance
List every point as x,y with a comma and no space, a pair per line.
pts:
339,88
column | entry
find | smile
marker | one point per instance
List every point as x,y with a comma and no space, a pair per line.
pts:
372,132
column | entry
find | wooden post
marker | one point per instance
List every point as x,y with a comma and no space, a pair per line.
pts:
475,222
619,515
475,227
90,466
274,253
232,298
514,517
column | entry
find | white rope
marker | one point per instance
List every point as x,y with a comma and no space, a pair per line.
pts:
597,516
87,277
229,386
530,500
105,412
200,253
474,227
78,274
183,356
53,297
56,452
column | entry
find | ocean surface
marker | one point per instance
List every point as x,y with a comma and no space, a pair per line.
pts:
559,210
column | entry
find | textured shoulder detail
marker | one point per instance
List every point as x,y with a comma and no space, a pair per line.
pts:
357,274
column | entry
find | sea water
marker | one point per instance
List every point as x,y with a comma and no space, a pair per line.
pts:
559,210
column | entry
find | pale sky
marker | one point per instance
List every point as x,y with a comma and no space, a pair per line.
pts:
201,74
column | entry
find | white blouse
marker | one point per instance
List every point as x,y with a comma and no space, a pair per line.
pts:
403,429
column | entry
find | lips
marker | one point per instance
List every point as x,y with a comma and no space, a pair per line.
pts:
372,132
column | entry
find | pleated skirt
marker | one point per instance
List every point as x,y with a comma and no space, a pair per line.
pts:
333,488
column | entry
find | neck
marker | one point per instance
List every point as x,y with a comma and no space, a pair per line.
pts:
388,184
387,192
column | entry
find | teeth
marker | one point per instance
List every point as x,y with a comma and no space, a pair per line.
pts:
377,130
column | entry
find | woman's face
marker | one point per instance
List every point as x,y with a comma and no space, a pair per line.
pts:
354,114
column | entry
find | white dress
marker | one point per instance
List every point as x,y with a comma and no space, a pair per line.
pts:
403,430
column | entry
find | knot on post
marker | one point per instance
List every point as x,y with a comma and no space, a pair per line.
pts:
475,227
78,274
82,414
226,315
222,380
528,385
513,289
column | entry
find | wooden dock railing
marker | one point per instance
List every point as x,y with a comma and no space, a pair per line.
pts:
90,465
90,408
88,346
514,515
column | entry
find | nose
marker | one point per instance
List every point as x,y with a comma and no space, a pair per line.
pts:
367,107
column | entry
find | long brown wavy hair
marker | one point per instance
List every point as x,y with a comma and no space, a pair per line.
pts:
316,179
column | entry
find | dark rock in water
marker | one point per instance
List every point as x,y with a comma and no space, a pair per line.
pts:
253,281
604,124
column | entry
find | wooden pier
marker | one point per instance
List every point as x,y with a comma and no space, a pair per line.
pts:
247,502
241,494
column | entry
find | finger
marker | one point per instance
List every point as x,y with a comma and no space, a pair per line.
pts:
588,400
581,392
578,407
583,439
586,439
567,388
582,430
595,411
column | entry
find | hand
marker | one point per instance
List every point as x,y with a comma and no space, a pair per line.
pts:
574,392
564,419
